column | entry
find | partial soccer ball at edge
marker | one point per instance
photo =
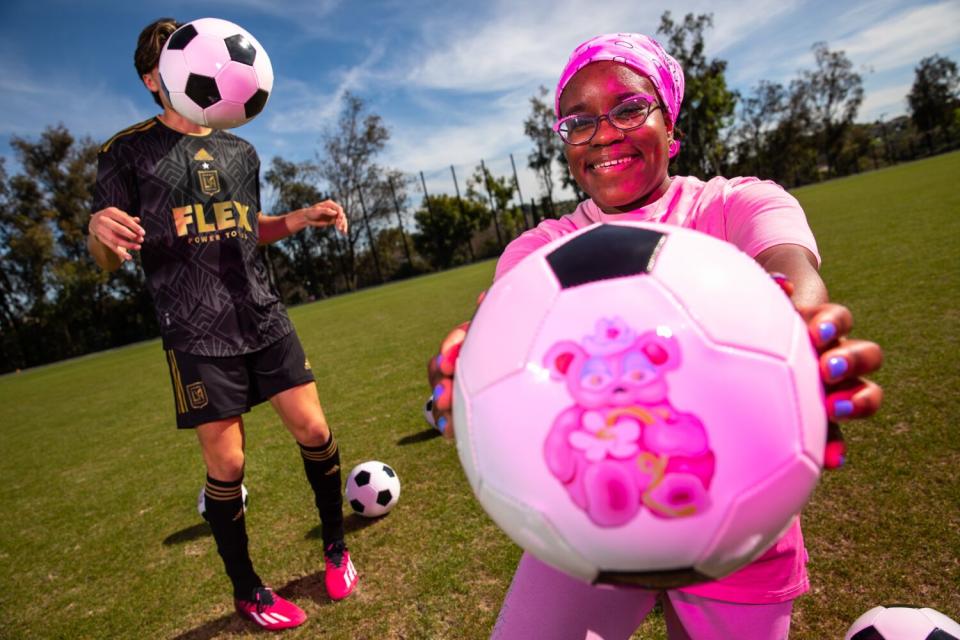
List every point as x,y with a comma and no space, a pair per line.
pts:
902,622
215,74
640,404
373,488
202,500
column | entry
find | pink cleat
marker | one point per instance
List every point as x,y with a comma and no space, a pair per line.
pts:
270,611
341,577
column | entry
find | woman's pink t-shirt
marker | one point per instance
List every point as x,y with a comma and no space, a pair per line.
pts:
754,215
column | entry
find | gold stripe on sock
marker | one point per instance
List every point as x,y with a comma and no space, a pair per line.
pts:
223,494
320,456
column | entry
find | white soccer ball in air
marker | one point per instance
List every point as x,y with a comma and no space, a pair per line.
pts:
215,74
373,488
900,622
202,500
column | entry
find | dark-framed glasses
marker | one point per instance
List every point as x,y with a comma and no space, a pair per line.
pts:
631,113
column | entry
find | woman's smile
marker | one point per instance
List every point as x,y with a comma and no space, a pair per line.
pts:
615,164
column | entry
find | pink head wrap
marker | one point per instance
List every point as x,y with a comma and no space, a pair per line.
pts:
641,53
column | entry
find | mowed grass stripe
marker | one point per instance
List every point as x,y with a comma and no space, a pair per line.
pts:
97,487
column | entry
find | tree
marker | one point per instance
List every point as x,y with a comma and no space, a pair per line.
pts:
57,302
349,165
759,114
312,251
708,104
445,226
791,146
546,145
933,97
482,187
836,92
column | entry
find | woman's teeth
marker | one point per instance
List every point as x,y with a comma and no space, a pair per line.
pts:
613,163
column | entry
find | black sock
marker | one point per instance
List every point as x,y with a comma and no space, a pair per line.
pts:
224,503
322,465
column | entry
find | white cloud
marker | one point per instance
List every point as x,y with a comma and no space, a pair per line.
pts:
903,39
307,111
308,15
887,102
525,44
84,108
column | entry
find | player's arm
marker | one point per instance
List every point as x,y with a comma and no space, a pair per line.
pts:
842,361
113,233
321,214
799,265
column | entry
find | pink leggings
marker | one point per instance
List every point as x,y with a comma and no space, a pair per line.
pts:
545,603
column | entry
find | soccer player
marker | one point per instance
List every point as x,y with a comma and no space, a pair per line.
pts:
188,199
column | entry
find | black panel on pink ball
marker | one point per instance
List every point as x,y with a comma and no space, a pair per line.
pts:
202,90
605,252
241,49
255,105
182,37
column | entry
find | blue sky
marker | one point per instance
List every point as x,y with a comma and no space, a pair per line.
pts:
452,80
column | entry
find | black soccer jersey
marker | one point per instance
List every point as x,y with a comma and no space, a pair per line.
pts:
197,198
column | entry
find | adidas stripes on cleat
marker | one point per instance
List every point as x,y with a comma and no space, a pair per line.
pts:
341,576
270,611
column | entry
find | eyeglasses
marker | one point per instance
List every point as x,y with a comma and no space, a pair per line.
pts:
579,128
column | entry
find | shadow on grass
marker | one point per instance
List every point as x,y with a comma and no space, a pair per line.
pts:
194,532
307,587
351,524
427,434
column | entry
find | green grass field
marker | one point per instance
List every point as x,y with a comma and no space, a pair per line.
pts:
101,538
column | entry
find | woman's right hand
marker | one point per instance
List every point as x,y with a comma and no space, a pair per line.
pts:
117,230
440,370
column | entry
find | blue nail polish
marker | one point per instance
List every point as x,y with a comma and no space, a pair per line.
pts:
442,424
439,359
837,366
828,331
437,392
842,408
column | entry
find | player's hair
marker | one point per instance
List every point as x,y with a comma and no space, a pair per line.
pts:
149,44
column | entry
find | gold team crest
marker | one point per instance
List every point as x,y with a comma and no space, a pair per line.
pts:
197,394
209,181
209,178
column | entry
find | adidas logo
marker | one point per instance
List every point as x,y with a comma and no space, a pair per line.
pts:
203,156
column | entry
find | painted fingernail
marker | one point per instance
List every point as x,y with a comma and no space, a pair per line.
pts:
439,359
828,331
842,408
437,392
442,424
837,366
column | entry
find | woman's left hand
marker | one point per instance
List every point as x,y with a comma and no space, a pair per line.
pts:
843,363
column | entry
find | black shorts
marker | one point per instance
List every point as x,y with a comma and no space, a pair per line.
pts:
207,389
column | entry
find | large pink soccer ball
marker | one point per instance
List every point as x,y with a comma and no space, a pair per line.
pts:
214,73
640,403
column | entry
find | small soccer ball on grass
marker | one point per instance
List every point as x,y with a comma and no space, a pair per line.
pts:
373,488
202,500
640,404
215,74
903,622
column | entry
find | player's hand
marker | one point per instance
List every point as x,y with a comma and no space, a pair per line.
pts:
117,231
440,370
324,214
843,363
